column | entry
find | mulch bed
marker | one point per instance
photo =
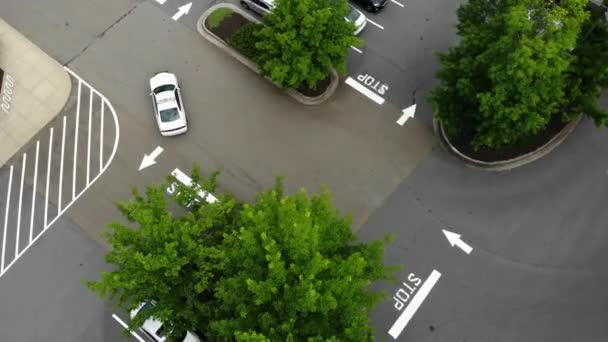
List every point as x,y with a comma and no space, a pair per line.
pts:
462,143
234,22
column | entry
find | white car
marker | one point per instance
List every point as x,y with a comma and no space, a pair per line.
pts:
154,328
263,7
168,106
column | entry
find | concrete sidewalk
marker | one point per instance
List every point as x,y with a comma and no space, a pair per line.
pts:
34,90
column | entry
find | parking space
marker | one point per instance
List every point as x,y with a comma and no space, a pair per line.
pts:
40,183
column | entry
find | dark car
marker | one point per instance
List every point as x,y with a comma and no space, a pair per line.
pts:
371,5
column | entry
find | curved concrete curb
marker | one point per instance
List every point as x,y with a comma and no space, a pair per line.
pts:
508,164
215,40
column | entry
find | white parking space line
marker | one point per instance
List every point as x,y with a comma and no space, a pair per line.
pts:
20,203
354,48
48,177
375,24
364,90
13,213
397,3
34,192
7,210
75,141
413,306
127,327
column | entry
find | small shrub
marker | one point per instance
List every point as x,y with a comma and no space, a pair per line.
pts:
215,19
245,39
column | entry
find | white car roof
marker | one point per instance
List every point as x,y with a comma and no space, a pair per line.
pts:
162,78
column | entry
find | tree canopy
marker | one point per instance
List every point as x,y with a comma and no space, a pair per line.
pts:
509,74
303,40
285,267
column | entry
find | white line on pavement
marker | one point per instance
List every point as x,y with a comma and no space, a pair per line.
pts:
8,205
162,2
61,169
34,191
76,140
375,24
20,202
364,90
127,327
354,48
417,300
48,178
101,138
398,3
89,139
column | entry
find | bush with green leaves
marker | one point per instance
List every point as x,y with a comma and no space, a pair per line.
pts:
283,268
303,40
245,39
508,75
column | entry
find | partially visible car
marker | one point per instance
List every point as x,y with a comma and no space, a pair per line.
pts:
371,5
168,106
263,7
153,328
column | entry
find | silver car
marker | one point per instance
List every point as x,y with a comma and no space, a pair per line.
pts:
263,7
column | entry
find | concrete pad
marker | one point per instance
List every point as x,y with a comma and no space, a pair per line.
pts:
41,88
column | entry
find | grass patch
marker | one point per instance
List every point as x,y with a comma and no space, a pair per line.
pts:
216,17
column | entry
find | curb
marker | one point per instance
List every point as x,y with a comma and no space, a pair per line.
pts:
508,164
215,40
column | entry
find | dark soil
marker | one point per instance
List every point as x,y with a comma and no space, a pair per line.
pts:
318,91
463,145
234,22
228,26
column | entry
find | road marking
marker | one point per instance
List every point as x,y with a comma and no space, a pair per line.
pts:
455,240
181,11
75,141
48,178
101,138
187,181
407,113
34,192
127,327
8,205
61,168
61,208
354,48
20,202
364,90
150,159
398,3
162,2
375,24
413,306
89,138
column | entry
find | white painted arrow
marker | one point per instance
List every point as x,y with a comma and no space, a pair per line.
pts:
182,10
406,113
150,159
454,240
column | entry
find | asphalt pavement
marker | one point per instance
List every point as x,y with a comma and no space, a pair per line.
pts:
535,268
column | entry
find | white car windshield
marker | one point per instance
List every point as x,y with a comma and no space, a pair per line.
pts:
169,115
352,14
166,87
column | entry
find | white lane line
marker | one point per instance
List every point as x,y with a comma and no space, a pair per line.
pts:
101,138
398,3
20,202
375,24
354,48
75,141
162,2
89,139
8,206
364,90
127,327
417,300
34,191
61,169
48,178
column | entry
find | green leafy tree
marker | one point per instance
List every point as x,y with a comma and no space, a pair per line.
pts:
589,72
507,77
285,268
303,40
